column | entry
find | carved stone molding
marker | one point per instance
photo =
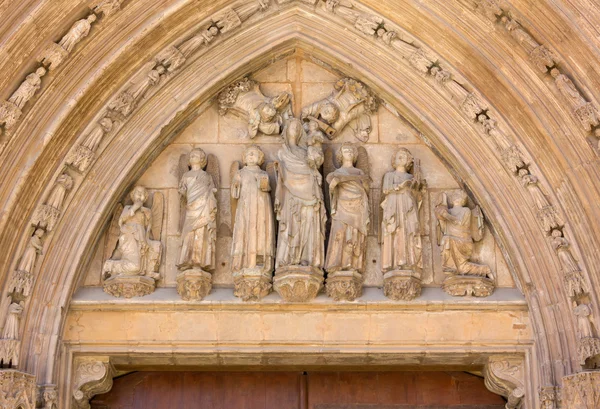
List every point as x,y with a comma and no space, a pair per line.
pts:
17,390
581,391
92,376
505,375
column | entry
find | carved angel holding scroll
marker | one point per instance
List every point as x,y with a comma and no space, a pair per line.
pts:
136,230
265,114
198,188
253,246
350,103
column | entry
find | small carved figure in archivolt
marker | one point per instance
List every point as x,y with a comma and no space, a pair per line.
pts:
106,7
458,228
22,278
348,187
11,110
132,268
253,244
197,257
588,345
575,283
126,102
265,114
400,232
77,32
351,103
82,156
47,215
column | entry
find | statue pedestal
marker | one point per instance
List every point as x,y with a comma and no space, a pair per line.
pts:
298,283
581,391
129,286
194,284
344,285
589,349
402,285
251,284
460,286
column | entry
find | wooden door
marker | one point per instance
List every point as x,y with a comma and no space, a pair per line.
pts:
297,390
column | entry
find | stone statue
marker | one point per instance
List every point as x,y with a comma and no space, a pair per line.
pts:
27,88
586,112
350,103
264,114
10,343
588,345
77,32
198,188
11,325
576,286
349,208
253,246
126,102
547,214
132,267
106,7
46,215
400,232
83,155
27,262
301,214
458,228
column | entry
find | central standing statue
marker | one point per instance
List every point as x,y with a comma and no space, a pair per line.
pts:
301,214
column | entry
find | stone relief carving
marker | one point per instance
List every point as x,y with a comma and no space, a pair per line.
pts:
363,22
47,214
458,227
504,375
126,102
253,221
400,232
11,110
27,263
350,104
92,376
301,214
133,248
106,7
575,284
198,188
264,114
10,343
581,391
56,53
348,187
83,155
588,345
584,111
547,215
47,397
17,390
550,397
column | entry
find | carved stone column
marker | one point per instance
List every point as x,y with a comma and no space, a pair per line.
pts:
92,376
581,391
505,376
17,390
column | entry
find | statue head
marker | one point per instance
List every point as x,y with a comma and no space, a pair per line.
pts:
38,233
106,124
459,198
267,112
582,310
91,18
329,113
403,158
347,151
139,194
198,158
293,131
281,100
253,155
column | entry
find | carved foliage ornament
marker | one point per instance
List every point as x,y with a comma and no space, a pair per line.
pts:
17,390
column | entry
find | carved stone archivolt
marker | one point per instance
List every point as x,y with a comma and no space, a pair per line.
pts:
505,375
17,390
91,376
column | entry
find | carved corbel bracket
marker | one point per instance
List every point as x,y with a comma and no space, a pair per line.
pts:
17,389
581,391
93,375
505,375
47,397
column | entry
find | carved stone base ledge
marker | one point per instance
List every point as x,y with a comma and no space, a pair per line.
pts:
581,391
589,349
298,283
9,353
92,376
252,284
460,286
194,284
344,285
402,285
129,286
17,390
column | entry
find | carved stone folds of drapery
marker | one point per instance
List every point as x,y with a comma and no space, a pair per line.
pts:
92,376
505,375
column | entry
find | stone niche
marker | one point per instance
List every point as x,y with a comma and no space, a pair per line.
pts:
227,136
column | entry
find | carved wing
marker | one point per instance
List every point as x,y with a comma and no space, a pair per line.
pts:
362,162
112,237
212,167
477,223
441,225
182,168
233,170
158,205
329,166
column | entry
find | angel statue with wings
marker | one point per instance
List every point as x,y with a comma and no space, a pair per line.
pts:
349,208
400,232
301,214
351,103
458,228
132,267
253,245
197,258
